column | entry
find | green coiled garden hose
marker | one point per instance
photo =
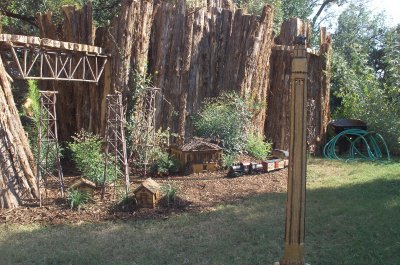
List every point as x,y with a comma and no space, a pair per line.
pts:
362,145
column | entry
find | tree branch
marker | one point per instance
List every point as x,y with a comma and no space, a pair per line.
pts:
321,8
28,19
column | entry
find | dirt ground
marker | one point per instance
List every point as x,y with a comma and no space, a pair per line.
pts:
195,193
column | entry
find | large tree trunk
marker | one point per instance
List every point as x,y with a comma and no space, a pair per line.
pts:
128,42
17,180
82,105
278,113
78,103
196,53
192,54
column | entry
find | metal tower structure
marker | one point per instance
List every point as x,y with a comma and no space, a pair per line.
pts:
115,153
48,165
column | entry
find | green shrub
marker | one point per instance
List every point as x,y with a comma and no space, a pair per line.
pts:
169,193
48,152
87,155
257,147
162,163
228,118
228,160
77,198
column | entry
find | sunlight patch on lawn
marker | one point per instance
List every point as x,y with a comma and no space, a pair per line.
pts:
324,173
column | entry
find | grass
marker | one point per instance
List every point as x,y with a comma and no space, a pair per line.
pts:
353,213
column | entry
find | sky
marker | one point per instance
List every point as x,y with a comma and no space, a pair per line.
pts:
391,7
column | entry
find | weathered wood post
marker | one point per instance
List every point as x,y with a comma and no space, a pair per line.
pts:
296,192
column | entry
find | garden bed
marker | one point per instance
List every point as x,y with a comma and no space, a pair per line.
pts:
195,193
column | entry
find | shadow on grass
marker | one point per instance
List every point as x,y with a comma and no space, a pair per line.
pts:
356,224
348,225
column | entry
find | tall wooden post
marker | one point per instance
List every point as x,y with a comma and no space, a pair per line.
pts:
296,193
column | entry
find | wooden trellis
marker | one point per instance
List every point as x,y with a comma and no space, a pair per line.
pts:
48,150
115,153
145,119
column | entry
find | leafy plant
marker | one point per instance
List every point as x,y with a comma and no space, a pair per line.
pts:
163,163
257,147
227,118
87,155
77,198
169,193
31,112
228,160
139,81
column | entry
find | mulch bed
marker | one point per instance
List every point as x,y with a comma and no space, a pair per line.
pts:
196,193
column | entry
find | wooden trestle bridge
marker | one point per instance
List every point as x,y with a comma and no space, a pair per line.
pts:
28,57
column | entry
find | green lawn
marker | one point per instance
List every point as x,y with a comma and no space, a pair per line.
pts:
353,217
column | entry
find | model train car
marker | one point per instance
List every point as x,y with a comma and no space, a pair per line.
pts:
256,168
246,168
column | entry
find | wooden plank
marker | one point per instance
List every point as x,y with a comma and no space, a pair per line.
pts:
296,192
19,39
47,42
33,40
291,48
50,43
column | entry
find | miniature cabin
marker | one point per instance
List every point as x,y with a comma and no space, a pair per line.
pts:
83,185
148,193
197,155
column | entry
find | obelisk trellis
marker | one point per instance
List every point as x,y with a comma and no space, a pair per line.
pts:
48,150
296,193
115,153
146,118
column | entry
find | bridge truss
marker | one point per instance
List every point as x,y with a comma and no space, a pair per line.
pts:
29,57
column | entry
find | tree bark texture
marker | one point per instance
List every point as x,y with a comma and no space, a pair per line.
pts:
202,52
78,103
192,53
17,180
82,105
278,102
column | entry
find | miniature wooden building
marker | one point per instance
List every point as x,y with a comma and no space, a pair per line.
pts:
148,193
199,155
84,185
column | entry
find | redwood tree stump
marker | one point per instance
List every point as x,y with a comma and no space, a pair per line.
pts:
17,180
277,123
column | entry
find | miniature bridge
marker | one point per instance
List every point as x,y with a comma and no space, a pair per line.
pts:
28,57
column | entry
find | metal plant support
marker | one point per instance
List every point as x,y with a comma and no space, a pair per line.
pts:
115,153
48,165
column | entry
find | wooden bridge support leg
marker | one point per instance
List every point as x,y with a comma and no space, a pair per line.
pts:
296,194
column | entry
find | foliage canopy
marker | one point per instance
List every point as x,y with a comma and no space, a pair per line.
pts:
365,72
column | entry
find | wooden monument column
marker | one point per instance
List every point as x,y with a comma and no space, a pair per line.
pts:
296,191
